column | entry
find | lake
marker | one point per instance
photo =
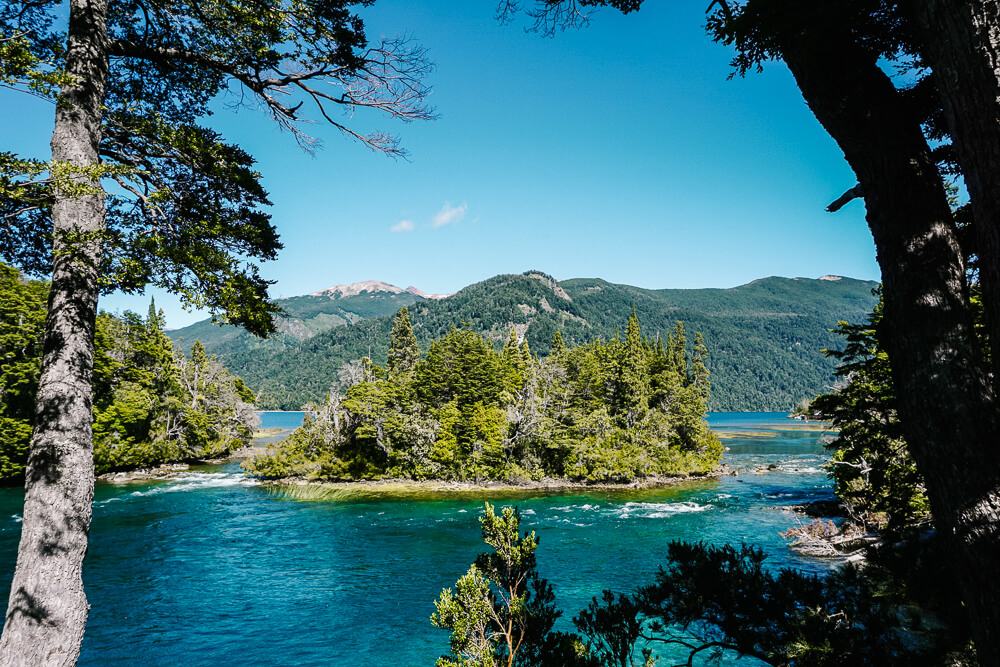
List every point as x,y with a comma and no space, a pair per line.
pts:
212,568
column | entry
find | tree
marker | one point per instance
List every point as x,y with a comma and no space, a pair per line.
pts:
957,39
22,319
699,371
501,612
633,376
944,394
677,358
404,353
872,468
183,213
557,343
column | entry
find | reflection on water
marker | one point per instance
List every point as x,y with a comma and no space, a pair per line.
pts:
210,568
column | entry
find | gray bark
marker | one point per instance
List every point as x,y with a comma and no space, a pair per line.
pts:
47,611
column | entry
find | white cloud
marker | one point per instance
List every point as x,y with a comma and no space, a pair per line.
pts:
450,214
402,226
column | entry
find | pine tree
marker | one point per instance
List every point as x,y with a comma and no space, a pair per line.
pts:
511,353
699,371
557,343
404,353
633,375
677,350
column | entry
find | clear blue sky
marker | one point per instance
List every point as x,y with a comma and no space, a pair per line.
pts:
618,151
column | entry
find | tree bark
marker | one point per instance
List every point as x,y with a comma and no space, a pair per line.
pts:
47,611
961,40
946,404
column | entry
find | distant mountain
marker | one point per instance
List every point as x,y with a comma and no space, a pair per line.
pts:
764,338
305,316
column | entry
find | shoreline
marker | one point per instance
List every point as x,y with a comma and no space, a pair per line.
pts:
310,488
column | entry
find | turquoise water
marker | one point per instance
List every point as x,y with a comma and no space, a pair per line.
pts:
211,568
281,419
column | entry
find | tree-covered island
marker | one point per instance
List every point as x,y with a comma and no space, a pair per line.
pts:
609,411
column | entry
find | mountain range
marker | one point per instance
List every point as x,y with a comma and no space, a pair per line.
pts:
765,338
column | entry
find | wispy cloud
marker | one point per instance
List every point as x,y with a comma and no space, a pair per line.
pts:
449,214
402,226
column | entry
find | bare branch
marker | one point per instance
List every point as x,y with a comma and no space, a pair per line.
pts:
389,80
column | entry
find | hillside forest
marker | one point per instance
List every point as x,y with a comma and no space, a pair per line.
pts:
767,336
153,404
629,408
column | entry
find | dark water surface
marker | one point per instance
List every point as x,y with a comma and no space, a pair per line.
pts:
210,568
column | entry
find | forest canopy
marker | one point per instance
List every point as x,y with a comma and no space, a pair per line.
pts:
615,410
152,404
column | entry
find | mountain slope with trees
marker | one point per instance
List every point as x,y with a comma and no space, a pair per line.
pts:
766,351
303,317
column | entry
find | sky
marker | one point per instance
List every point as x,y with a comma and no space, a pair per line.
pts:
619,151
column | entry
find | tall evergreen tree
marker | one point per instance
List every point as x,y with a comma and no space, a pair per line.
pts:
557,343
404,353
699,371
526,359
677,351
511,351
633,374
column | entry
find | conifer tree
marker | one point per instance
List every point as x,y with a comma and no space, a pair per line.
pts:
404,352
557,343
511,353
699,371
677,350
633,374
526,359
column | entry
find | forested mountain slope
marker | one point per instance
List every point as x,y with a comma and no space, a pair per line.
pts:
765,339
305,316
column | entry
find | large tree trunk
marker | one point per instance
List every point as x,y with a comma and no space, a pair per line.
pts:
961,41
47,611
945,401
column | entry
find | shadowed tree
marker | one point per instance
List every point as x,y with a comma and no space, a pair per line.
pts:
138,193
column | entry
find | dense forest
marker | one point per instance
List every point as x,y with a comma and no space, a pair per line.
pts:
152,404
616,410
767,337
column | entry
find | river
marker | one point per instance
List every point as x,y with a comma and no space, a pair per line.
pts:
212,568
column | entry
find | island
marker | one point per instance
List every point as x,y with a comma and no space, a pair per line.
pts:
621,411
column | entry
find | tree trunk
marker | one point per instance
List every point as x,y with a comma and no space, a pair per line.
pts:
47,611
961,41
945,401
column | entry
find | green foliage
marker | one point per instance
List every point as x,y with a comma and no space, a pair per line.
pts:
184,207
22,319
403,349
501,612
468,411
871,466
767,337
151,404
709,604
711,601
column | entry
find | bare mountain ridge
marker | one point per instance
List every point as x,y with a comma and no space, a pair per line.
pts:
373,288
